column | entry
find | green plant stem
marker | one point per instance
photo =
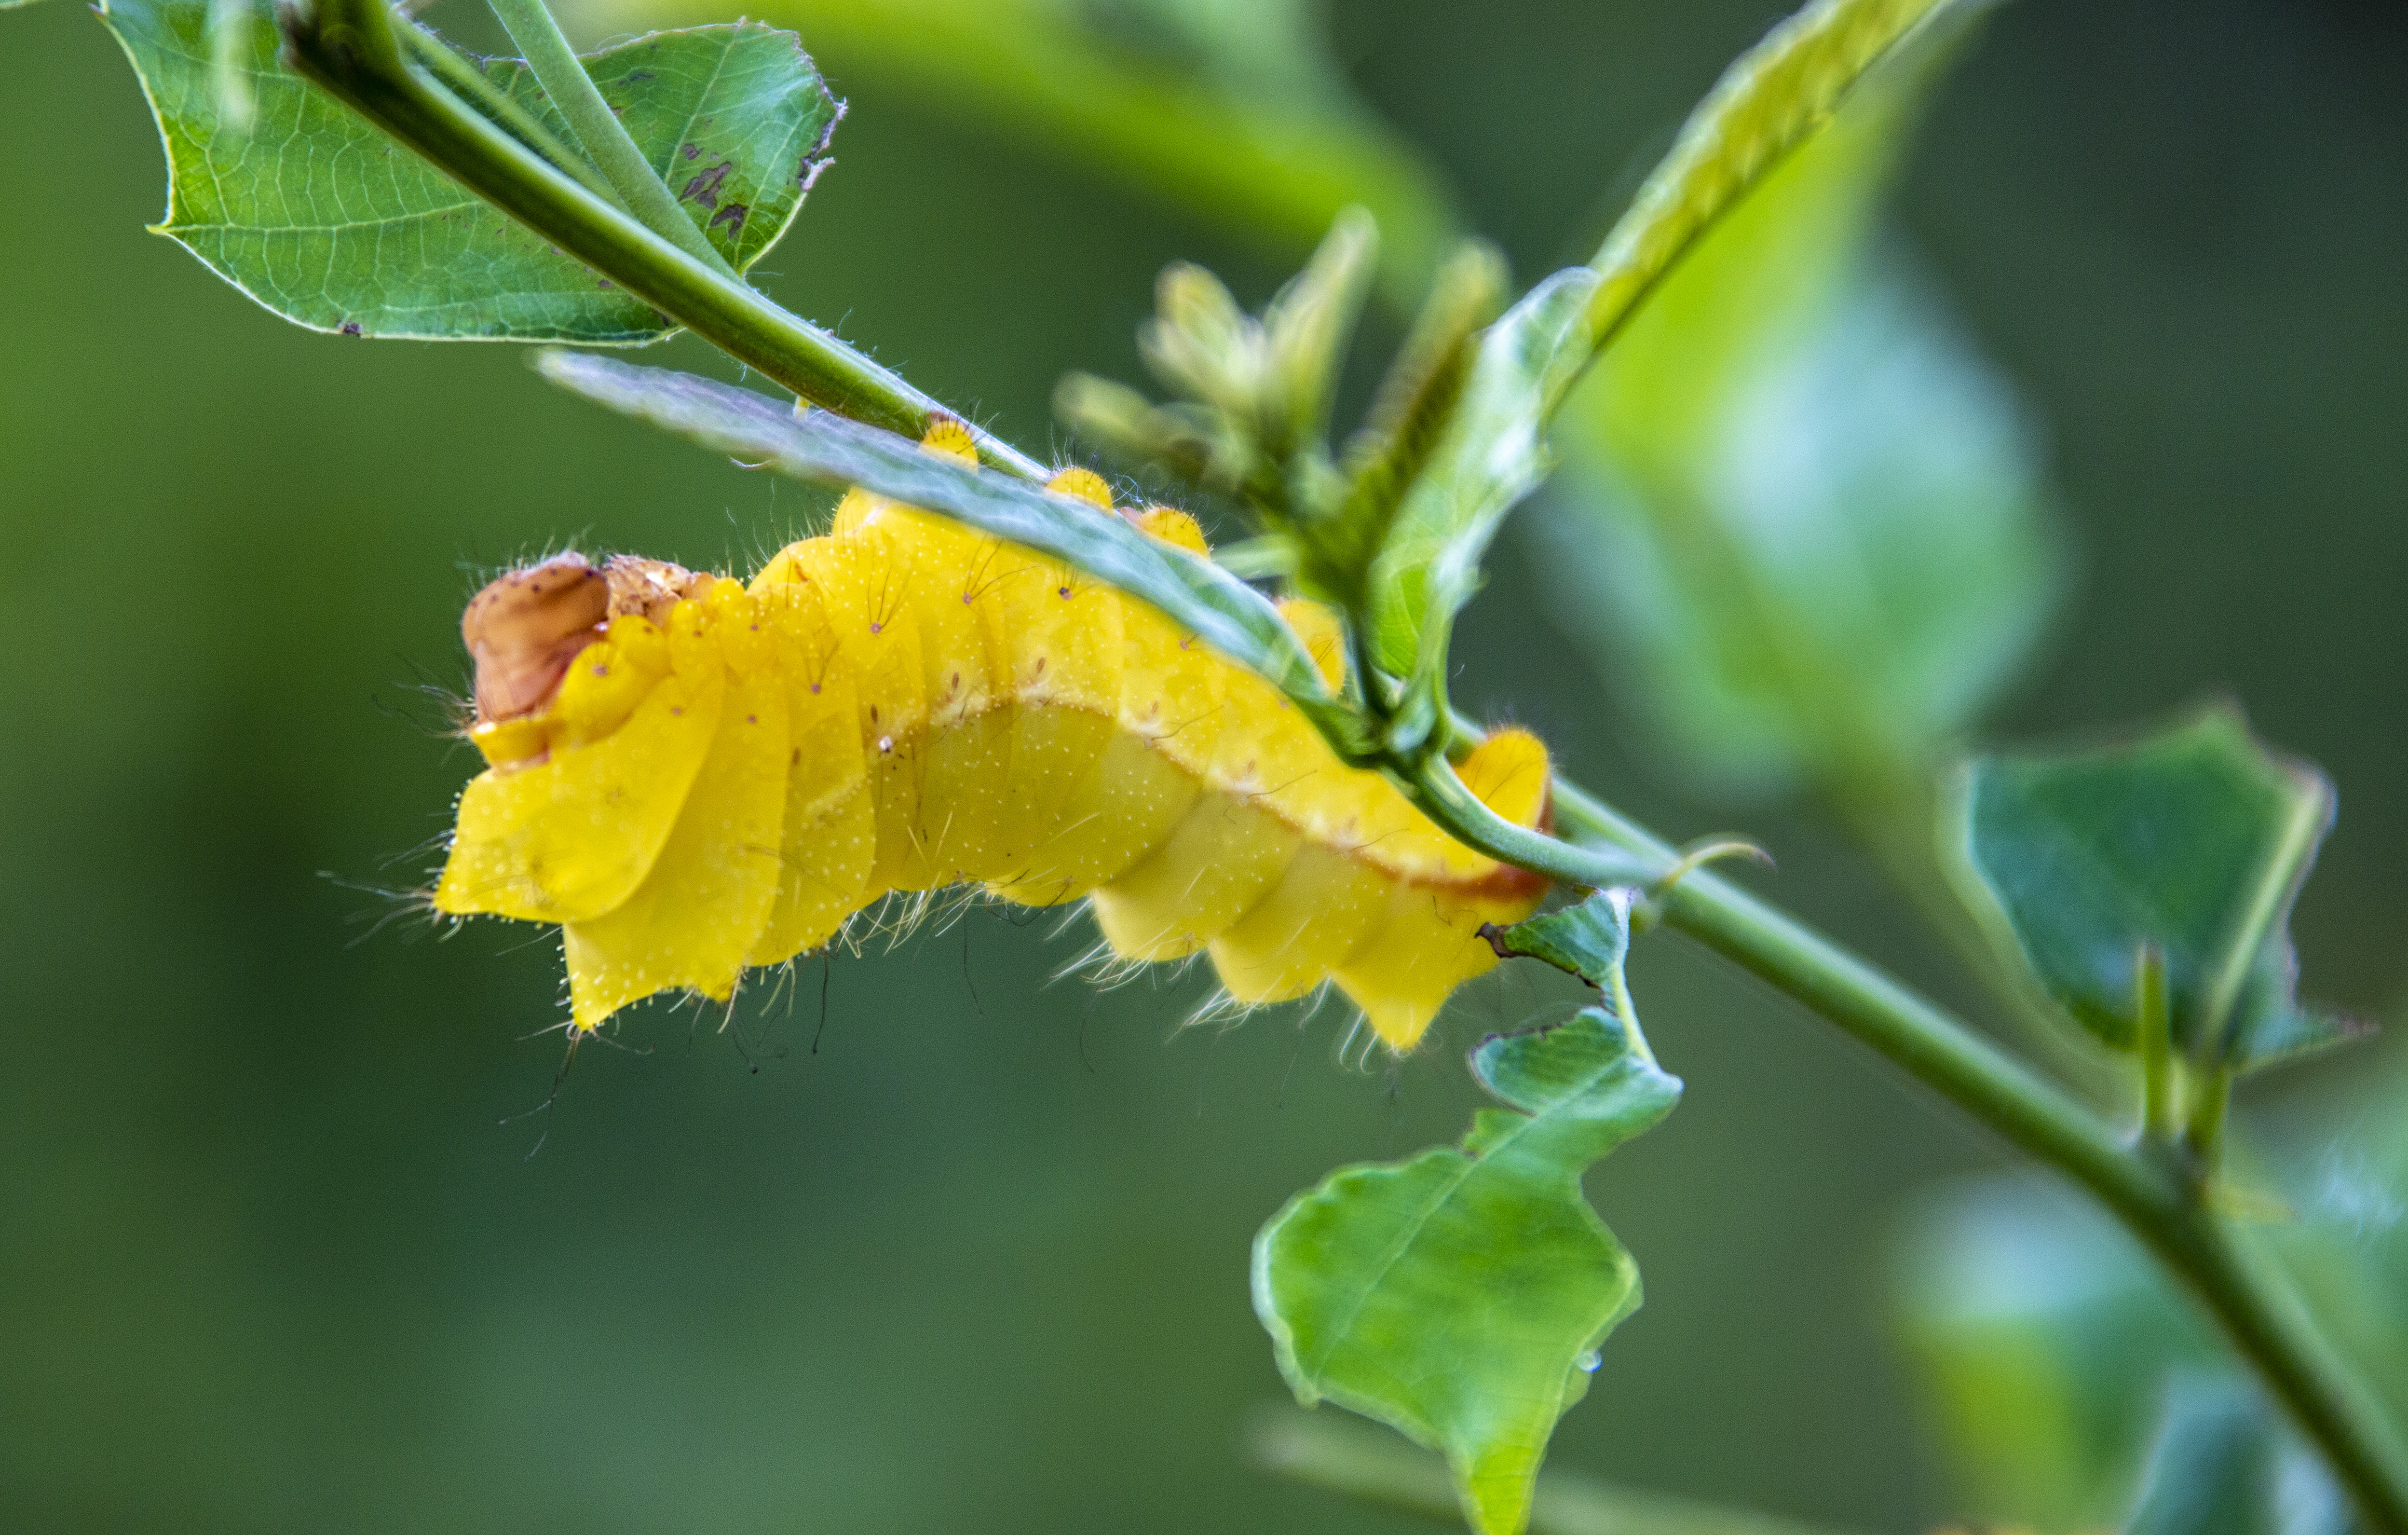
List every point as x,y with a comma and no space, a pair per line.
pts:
2204,1135
464,79
2159,1198
1433,786
1891,810
1347,1455
2160,1119
598,131
349,46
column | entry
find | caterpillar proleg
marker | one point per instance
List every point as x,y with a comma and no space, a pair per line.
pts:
695,776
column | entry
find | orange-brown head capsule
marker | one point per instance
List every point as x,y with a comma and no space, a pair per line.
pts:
525,629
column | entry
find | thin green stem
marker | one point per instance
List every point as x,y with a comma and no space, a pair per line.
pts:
2204,1136
1433,786
2160,1119
349,46
598,131
1891,812
1348,1456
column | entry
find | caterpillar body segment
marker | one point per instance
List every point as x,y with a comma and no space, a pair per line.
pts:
698,776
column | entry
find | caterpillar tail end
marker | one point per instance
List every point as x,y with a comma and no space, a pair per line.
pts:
1430,943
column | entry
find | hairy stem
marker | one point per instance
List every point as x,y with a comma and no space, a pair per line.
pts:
350,46
598,131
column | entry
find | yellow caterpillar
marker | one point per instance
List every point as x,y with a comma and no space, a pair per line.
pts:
695,777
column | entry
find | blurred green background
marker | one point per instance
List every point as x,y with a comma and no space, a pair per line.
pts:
977,1261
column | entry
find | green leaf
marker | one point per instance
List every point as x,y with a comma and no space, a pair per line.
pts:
2225,1465
1460,1296
1801,514
828,449
2193,840
2043,1339
323,220
2046,1341
1590,940
1769,102
1493,452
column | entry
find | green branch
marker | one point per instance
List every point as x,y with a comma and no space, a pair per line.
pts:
349,45
598,130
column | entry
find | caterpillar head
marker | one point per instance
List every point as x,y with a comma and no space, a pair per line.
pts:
526,627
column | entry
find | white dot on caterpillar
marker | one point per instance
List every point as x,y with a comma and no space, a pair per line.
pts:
885,743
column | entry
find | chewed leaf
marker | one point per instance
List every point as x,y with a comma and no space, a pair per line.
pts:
828,450
2194,841
1386,1288
325,221
1590,940
2272,1025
